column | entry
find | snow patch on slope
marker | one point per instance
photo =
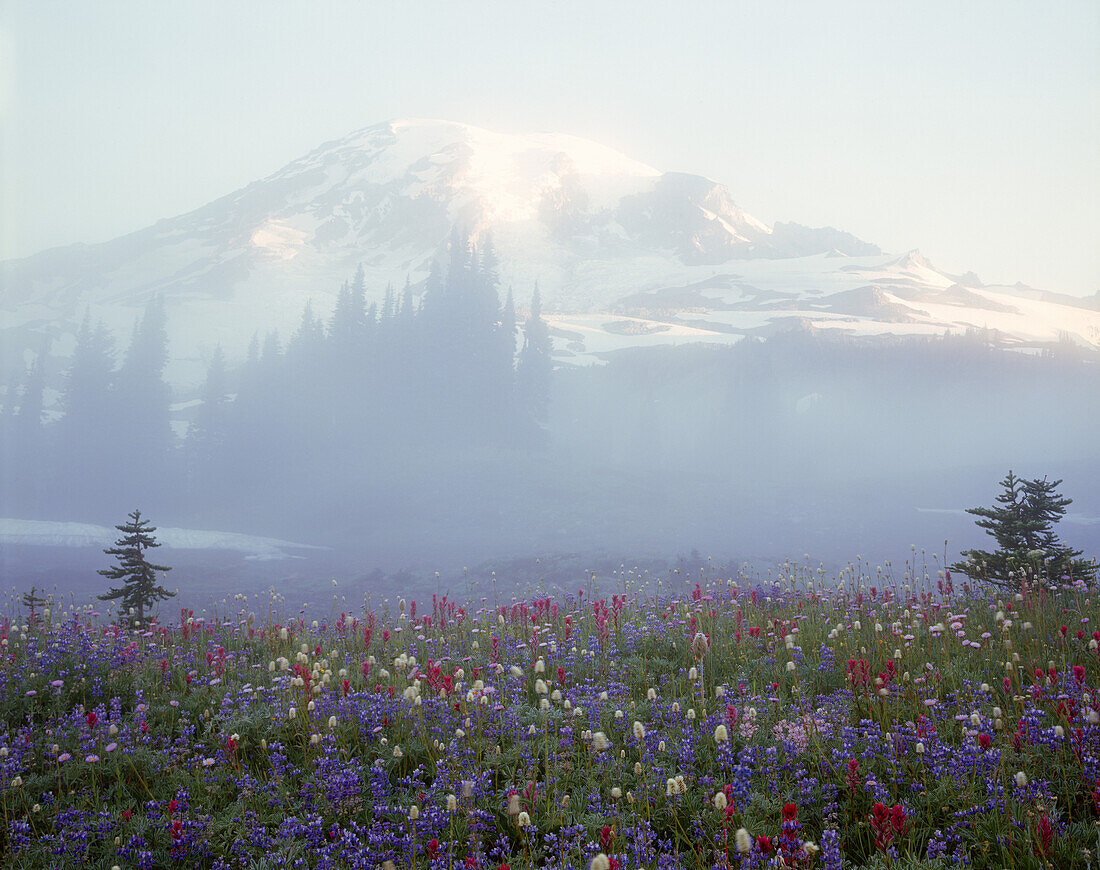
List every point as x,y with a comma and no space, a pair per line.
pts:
46,533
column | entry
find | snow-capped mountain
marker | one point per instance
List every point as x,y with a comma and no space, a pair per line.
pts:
624,254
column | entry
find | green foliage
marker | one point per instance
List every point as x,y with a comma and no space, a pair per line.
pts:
33,601
1022,523
177,697
139,590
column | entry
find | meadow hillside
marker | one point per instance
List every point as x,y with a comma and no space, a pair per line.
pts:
888,716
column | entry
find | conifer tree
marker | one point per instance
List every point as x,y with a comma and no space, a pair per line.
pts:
408,308
141,431
431,303
25,459
359,297
88,382
33,601
535,363
273,350
342,315
389,304
507,338
139,590
141,377
1022,525
508,328
84,440
488,264
306,341
349,316
28,424
209,430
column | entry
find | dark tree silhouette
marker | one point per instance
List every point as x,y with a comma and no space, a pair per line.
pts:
535,364
139,590
142,396
85,428
33,601
1022,523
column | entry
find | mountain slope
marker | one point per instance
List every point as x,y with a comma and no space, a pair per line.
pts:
591,225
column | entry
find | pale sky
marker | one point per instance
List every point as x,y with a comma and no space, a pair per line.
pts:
969,130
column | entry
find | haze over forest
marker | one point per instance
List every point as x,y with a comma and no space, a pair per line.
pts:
439,346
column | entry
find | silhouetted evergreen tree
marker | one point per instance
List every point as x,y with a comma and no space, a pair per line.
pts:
432,300
83,440
408,309
508,330
350,316
1022,524
535,364
389,304
33,602
87,390
305,343
488,264
28,422
506,364
208,433
142,434
139,590
25,443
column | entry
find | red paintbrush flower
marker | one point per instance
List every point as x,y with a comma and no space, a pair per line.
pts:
1046,834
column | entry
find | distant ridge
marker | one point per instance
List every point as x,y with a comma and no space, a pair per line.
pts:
593,226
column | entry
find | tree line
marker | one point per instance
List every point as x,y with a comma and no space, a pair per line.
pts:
438,370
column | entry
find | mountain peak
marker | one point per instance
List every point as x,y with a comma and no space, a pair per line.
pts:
408,142
591,225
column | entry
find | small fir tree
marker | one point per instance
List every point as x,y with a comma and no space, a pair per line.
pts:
139,590
536,365
33,601
1022,523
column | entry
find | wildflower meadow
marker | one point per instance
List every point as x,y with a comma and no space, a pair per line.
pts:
878,718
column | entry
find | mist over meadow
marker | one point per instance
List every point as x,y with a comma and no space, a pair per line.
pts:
549,436
433,433
382,311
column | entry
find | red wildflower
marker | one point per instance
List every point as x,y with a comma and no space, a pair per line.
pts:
881,826
853,774
1046,834
898,818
